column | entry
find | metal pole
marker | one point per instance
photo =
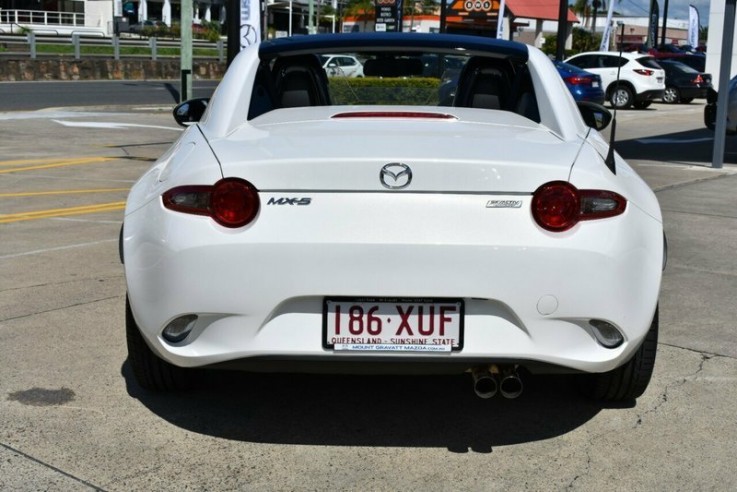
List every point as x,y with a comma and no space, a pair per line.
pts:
310,20
233,21
265,20
665,21
725,68
116,47
32,42
77,50
290,17
560,49
443,15
185,91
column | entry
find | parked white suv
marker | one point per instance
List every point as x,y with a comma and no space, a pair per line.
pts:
641,79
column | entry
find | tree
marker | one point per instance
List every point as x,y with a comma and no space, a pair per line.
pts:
361,9
583,10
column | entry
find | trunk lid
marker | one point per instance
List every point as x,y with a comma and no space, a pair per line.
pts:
458,150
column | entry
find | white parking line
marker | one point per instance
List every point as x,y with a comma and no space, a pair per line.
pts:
112,125
60,248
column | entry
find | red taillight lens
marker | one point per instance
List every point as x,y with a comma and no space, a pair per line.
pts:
644,71
231,202
575,80
558,206
555,206
698,79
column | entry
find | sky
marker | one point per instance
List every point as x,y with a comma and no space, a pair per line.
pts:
677,9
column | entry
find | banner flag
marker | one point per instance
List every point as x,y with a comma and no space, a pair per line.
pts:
652,28
608,30
693,26
500,21
250,22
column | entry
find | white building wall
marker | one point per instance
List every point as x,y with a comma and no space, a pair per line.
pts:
99,14
714,43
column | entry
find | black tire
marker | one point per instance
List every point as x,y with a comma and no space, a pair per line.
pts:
710,116
628,381
642,104
686,100
151,372
671,95
621,97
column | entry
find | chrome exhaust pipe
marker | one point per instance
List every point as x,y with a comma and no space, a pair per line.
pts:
485,381
511,385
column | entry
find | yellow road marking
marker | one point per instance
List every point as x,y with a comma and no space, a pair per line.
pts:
28,161
60,192
62,212
59,163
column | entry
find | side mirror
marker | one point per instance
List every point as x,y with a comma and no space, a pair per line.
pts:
594,115
191,111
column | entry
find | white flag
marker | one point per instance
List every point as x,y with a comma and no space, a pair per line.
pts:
500,22
693,26
608,30
250,22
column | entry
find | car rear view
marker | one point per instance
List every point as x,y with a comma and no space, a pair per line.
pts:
308,223
631,79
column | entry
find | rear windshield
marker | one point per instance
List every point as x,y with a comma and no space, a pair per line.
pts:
649,62
391,77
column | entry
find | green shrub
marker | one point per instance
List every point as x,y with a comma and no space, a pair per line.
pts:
375,90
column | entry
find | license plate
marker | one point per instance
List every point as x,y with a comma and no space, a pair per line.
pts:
659,79
393,325
594,84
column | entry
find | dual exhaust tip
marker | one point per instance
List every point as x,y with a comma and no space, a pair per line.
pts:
490,380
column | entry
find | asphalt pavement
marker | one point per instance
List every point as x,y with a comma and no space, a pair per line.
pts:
72,418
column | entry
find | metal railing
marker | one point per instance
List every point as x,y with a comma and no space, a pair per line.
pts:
28,46
41,17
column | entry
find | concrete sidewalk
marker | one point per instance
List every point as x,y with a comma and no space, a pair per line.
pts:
699,207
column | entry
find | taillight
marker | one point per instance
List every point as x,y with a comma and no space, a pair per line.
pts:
644,71
698,80
558,206
231,202
576,80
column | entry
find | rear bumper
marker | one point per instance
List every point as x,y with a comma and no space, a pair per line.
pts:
259,293
649,95
693,92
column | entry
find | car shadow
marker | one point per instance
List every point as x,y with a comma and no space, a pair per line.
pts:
386,411
694,147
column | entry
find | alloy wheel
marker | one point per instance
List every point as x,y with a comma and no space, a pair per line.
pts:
670,95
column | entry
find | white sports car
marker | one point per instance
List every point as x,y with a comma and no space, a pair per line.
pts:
360,225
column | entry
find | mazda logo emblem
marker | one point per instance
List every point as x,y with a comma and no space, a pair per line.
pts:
395,176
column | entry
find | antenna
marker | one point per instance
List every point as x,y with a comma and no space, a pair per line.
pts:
609,161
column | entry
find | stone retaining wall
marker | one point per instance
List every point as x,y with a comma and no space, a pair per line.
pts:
104,69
